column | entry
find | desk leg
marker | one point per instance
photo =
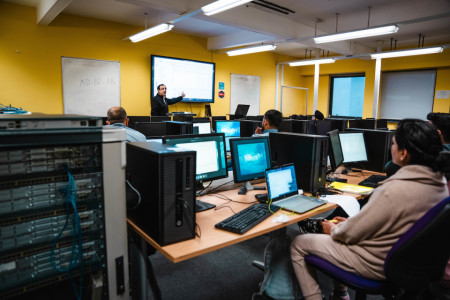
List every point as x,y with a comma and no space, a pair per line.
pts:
139,253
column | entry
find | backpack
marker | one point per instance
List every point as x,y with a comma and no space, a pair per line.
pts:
279,280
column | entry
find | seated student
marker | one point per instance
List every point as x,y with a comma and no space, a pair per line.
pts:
360,244
270,123
441,121
117,117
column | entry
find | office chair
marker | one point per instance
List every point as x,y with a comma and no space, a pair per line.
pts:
418,258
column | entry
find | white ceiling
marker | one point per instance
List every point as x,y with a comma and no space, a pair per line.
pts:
252,23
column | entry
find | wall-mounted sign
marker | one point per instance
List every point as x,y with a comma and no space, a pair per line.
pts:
221,85
221,94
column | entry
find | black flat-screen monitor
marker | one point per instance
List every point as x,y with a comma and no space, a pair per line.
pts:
231,129
250,158
211,158
194,78
336,156
210,148
201,127
241,110
353,147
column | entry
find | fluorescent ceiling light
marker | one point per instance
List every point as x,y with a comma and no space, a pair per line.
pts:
221,5
400,53
251,50
151,32
356,34
312,62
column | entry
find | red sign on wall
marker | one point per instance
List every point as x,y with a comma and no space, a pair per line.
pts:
221,94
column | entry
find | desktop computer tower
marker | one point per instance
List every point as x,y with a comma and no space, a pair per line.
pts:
151,128
165,180
378,147
183,117
176,128
291,125
307,152
159,118
248,127
364,124
255,118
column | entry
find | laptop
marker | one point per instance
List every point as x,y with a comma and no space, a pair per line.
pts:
282,189
241,110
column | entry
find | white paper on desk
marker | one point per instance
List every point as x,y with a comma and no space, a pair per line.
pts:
348,203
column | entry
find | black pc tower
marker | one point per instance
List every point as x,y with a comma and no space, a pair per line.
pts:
248,127
160,118
292,125
165,180
378,147
151,128
176,128
135,119
307,152
363,124
183,117
255,118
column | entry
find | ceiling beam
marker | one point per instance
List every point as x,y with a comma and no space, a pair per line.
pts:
48,10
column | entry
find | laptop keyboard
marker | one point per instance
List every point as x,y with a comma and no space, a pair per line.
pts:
248,218
372,181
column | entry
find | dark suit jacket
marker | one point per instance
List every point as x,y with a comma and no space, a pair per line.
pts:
159,108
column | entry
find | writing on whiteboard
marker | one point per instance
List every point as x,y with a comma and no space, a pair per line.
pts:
97,82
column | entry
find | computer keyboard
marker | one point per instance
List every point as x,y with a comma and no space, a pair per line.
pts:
248,218
372,181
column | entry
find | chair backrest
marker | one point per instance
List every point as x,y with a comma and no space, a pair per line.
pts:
421,254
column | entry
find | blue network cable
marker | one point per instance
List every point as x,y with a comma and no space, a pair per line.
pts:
76,253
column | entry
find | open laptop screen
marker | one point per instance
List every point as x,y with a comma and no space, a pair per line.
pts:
281,182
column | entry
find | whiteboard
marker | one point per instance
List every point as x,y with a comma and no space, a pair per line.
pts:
408,94
90,86
245,89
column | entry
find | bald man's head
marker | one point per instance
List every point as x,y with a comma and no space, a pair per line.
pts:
117,115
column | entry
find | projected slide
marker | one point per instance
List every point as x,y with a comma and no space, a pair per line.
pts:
252,158
194,78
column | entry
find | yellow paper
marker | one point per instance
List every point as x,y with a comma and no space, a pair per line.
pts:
351,188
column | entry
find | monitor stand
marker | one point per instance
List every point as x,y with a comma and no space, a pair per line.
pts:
199,204
249,187
202,205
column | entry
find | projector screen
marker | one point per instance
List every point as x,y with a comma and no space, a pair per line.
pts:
194,78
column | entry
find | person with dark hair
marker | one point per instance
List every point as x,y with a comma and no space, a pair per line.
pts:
270,123
117,117
442,123
318,115
360,243
160,104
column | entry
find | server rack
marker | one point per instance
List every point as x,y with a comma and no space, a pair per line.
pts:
62,208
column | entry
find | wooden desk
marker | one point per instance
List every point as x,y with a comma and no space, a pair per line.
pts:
212,239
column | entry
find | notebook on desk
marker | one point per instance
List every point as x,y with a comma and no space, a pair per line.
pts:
283,191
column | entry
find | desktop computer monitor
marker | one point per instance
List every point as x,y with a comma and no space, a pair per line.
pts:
176,127
250,158
231,129
336,156
353,147
201,127
211,158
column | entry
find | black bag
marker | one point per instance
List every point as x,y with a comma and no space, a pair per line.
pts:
279,280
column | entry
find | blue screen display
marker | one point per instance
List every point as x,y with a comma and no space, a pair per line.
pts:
252,158
231,129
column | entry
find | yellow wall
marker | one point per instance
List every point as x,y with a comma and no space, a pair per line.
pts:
30,61
440,61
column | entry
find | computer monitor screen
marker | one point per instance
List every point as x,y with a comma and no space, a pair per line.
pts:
231,129
210,148
353,147
202,127
250,158
336,156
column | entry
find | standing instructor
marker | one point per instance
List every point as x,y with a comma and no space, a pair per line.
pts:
160,103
